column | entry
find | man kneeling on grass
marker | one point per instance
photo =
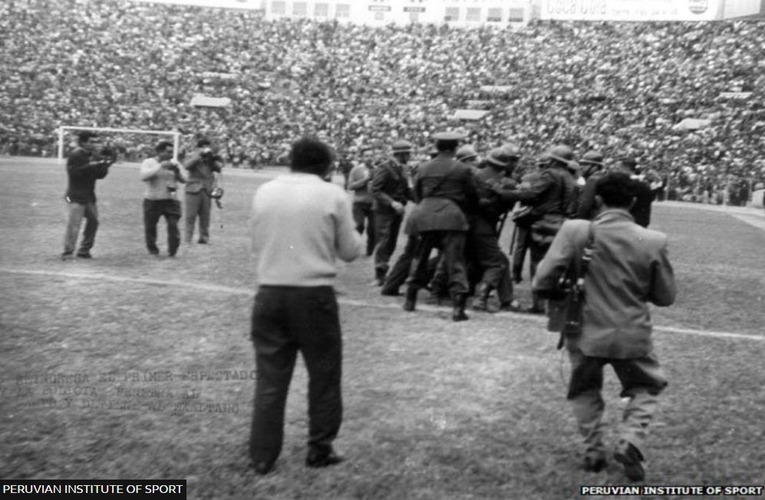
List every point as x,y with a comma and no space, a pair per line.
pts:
301,225
629,268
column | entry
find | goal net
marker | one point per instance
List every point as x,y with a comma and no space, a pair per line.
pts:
130,144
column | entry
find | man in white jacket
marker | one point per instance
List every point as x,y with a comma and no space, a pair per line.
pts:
161,174
301,226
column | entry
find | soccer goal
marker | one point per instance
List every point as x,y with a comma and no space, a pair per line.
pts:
62,133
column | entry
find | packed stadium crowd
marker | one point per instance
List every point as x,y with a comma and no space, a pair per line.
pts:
620,88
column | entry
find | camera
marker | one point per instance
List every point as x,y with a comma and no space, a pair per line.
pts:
107,153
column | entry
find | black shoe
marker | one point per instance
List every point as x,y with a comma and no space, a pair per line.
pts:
84,255
67,256
410,302
631,458
202,242
595,464
458,307
317,461
263,468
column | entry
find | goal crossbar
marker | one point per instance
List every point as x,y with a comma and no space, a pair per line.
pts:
176,136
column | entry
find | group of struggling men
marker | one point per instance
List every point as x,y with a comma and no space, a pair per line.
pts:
302,225
461,207
90,161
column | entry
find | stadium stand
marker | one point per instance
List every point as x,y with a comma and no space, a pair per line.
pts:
615,87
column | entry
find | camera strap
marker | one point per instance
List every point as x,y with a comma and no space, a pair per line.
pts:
575,299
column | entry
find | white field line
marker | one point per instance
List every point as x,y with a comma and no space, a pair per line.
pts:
350,302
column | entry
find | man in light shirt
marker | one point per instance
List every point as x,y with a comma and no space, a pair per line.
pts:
301,225
161,174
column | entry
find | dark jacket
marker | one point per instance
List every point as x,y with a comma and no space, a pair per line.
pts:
444,190
491,207
83,173
549,193
201,170
389,184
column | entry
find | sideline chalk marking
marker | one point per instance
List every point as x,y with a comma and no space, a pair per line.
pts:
351,302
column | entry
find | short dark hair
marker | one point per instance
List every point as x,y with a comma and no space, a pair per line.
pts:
85,136
310,155
448,145
617,189
163,145
203,142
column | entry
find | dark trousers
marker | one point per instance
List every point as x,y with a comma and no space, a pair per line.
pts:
483,251
286,320
642,381
537,252
364,219
78,211
400,270
387,225
198,204
171,211
522,240
452,245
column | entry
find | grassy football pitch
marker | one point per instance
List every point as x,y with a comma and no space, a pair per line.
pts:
126,366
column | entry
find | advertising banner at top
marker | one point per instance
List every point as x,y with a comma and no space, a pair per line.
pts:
632,10
258,5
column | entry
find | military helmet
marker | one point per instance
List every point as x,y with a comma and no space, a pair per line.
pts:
466,152
592,157
499,158
402,146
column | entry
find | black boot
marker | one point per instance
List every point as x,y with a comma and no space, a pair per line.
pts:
481,297
380,273
411,298
458,307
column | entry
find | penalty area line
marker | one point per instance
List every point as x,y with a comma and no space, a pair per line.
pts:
350,302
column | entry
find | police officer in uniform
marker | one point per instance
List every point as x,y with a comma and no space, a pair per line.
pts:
390,192
444,190
550,198
483,237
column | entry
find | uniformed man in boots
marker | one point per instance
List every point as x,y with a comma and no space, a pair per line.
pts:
550,198
390,192
482,246
444,190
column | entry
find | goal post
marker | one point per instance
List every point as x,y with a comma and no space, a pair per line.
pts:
176,135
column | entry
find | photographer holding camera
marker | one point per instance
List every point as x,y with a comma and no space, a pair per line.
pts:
629,267
201,167
84,167
161,174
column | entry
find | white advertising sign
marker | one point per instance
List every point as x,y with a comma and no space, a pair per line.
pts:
632,10
227,4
